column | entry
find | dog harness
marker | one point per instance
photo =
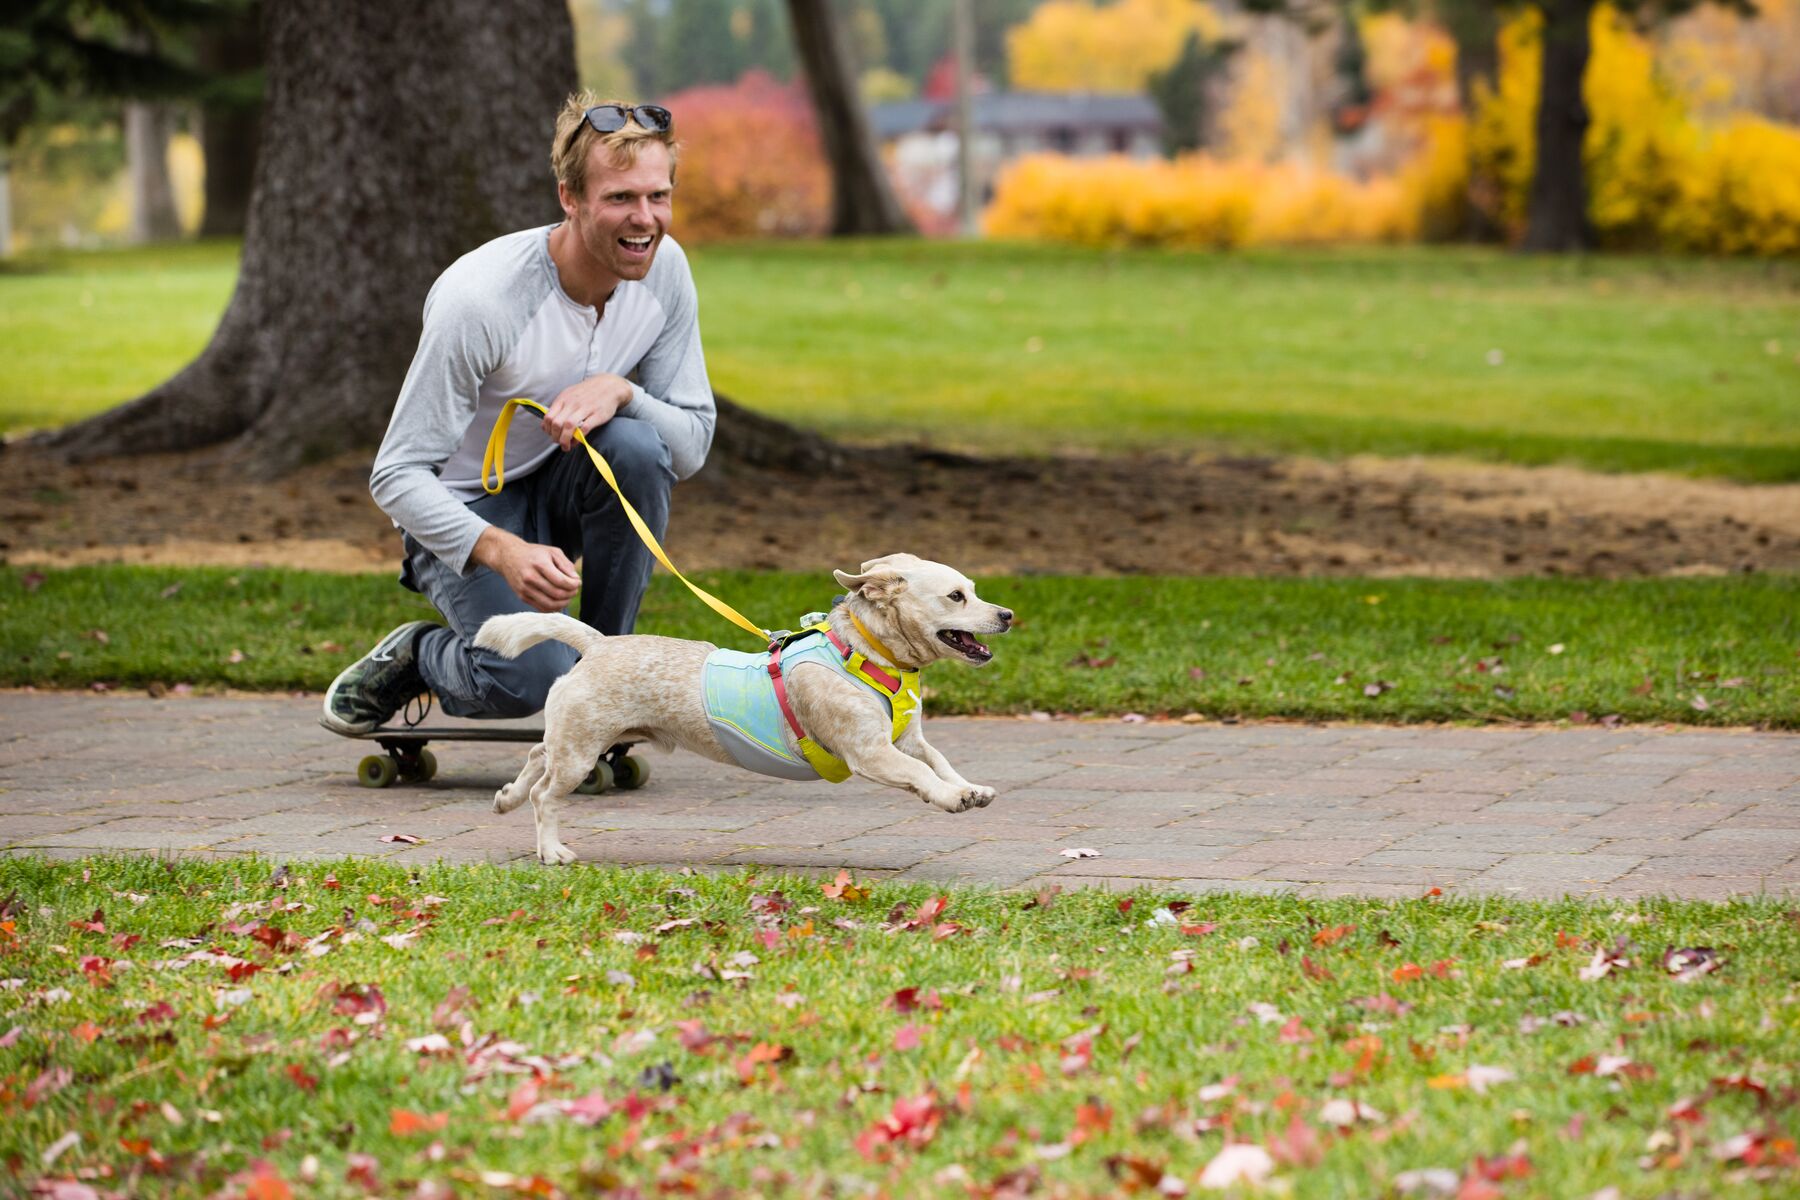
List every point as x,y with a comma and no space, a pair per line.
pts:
747,703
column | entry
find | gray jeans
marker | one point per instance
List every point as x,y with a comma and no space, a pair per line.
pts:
565,504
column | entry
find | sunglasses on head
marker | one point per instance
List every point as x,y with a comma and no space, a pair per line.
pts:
610,118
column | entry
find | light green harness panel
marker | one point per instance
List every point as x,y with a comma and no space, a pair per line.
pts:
746,717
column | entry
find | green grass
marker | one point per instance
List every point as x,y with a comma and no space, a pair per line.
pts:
80,333
737,1035
1446,650
1615,363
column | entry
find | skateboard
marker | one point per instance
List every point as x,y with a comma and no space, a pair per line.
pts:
407,758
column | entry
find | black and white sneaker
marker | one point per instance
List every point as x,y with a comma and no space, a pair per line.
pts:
376,686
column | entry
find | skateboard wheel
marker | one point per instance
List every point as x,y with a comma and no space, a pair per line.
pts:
598,780
377,771
427,766
629,774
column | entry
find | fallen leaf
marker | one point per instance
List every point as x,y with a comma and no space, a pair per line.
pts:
406,838
843,889
1238,1162
1079,852
404,1123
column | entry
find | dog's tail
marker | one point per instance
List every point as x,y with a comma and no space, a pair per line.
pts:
515,633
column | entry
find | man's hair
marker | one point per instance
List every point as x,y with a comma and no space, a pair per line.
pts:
569,155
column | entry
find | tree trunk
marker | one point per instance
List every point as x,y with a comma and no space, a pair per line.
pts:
147,128
398,137
1474,25
231,123
1558,221
862,200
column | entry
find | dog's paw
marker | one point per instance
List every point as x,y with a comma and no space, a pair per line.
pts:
960,799
555,854
507,799
984,796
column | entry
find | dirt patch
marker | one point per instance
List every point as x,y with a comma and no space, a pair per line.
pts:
1142,514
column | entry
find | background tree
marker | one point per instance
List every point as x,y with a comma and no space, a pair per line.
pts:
229,54
1181,92
1558,217
381,164
862,199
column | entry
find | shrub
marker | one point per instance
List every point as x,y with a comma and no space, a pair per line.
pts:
751,163
1203,202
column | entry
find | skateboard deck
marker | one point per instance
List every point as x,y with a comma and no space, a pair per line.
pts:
408,760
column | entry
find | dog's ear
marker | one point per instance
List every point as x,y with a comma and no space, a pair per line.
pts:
895,561
878,587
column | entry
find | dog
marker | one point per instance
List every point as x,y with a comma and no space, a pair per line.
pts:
842,697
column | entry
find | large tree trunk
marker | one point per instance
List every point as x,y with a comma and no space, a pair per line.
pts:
1558,220
397,137
230,123
862,200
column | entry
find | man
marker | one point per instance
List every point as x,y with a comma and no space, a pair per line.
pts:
561,315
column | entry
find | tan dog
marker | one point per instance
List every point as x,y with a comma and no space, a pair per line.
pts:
650,689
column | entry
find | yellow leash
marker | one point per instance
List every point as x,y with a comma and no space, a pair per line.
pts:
494,463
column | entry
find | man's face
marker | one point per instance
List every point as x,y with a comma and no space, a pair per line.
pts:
625,213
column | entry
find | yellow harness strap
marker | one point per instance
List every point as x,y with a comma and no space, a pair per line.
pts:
493,463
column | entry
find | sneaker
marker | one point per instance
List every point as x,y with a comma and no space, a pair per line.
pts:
377,685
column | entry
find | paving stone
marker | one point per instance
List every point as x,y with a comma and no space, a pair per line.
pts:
1374,809
1477,860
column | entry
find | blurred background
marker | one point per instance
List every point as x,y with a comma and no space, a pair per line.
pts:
1103,122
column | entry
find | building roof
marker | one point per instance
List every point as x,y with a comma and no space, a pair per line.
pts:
1020,112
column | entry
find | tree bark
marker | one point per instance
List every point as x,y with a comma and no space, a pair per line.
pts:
862,200
397,137
1558,220
231,124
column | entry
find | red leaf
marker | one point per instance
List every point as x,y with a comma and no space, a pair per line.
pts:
1407,972
402,1123
1200,930
1327,936
1294,1032
1313,970
162,1010
302,1080
907,1037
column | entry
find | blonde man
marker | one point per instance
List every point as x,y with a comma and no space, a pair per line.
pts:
568,315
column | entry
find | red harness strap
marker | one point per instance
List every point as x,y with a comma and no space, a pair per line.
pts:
781,696
875,673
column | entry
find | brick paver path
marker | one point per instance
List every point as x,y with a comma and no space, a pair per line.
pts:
1320,810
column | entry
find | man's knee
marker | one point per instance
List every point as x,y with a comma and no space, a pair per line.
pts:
518,687
636,452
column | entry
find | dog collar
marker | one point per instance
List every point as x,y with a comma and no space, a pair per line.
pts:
875,643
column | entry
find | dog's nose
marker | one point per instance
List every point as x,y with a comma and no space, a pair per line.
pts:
1005,616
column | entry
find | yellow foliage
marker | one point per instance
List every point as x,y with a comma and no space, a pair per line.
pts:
1250,127
1654,178
1197,201
1741,194
1076,46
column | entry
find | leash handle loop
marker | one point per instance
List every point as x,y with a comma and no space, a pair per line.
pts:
493,463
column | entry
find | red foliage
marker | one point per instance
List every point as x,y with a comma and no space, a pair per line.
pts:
751,162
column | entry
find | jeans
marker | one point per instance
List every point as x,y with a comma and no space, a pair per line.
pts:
564,503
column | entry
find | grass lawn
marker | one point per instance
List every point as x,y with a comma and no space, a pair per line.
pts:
347,1029
1709,651
1615,363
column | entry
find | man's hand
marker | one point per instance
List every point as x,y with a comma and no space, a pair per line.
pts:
541,576
585,406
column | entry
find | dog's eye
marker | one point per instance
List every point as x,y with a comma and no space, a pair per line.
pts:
957,596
